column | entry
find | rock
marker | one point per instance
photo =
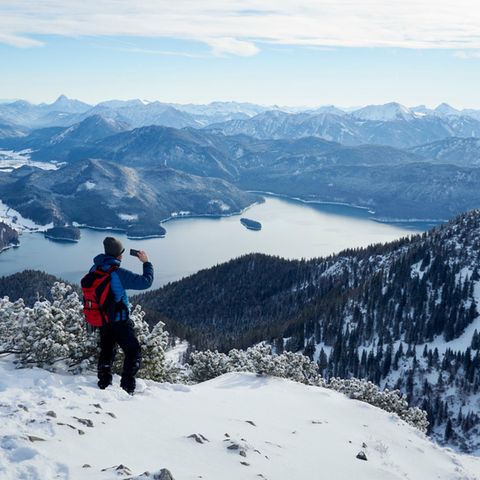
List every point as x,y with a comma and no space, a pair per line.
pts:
227,435
243,453
23,407
163,474
234,446
250,422
51,413
198,437
33,438
118,469
84,421
361,455
111,414
86,465
67,425
80,432
364,445
96,405
245,463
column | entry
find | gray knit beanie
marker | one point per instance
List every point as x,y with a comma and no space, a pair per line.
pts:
113,246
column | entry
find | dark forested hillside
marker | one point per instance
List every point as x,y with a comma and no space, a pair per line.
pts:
31,285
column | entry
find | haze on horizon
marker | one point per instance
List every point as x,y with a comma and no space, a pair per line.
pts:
288,53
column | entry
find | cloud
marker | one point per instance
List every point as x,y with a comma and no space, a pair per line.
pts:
237,27
227,45
19,41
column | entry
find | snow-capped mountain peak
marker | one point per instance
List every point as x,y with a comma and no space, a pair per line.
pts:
387,112
444,109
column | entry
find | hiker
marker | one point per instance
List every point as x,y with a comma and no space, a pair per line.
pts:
117,328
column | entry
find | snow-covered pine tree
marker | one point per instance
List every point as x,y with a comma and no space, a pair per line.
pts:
389,400
257,359
55,331
206,365
48,332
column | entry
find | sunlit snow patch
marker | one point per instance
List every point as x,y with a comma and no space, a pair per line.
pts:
15,220
10,160
128,217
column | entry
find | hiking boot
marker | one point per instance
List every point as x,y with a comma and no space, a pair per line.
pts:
104,378
128,384
104,383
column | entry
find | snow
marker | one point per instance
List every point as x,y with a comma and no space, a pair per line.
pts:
176,353
387,112
15,220
284,430
88,185
10,160
181,213
128,217
220,204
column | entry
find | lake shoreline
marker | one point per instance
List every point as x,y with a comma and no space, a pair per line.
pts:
385,220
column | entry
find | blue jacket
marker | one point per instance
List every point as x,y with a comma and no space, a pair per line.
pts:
122,279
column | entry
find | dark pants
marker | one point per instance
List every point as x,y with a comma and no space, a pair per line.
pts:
121,333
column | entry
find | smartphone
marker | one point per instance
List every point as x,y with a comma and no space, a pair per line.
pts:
134,253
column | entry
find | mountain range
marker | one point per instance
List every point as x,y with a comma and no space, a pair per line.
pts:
400,163
432,181
390,124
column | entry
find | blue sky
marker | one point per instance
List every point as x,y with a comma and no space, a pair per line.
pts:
277,54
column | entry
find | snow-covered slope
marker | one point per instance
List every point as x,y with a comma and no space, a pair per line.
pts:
54,425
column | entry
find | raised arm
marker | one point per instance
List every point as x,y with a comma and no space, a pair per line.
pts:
134,281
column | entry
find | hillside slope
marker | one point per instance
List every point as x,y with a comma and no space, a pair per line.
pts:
310,431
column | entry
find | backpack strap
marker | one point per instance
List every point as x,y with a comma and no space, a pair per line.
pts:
105,291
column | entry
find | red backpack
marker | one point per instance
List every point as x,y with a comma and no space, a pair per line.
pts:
98,298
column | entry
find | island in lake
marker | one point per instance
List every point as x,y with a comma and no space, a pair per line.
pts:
63,234
251,224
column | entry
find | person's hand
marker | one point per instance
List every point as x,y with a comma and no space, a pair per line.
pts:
142,256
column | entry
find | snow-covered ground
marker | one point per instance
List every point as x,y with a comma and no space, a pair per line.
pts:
15,220
246,427
10,160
